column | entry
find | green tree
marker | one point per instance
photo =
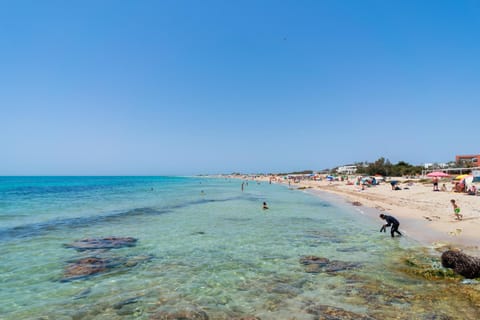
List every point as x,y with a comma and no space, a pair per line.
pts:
384,167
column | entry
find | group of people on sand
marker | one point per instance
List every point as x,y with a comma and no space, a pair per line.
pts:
459,187
435,185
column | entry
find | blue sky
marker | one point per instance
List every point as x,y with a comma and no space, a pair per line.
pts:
190,87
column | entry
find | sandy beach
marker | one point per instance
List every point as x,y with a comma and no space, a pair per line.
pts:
424,215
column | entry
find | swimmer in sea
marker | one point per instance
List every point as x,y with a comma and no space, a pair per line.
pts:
391,221
265,206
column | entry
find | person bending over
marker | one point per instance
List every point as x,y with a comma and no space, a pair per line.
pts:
391,221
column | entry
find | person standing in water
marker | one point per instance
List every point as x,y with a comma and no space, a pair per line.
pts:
265,207
391,221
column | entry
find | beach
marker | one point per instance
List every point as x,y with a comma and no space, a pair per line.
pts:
424,214
201,248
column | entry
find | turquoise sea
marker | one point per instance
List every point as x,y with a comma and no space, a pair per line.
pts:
207,250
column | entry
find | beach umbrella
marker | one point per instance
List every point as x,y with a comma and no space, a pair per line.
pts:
462,176
437,174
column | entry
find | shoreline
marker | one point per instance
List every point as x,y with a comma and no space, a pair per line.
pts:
425,216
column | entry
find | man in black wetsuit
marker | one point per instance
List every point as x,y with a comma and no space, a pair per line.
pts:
391,221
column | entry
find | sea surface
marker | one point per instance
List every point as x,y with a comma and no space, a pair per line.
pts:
205,249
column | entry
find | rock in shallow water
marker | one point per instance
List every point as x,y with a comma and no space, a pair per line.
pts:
121,304
324,312
102,243
90,266
465,265
422,264
336,266
321,264
189,314
87,267
308,260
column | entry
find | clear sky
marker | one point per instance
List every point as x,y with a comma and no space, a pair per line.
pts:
190,87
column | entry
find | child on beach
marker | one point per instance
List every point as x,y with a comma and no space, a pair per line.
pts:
456,210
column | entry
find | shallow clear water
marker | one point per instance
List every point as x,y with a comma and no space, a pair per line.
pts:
203,244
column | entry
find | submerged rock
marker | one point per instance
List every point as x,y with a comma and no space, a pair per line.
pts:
313,268
102,243
463,264
90,266
285,289
426,266
325,312
189,314
130,310
121,304
87,267
83,294
308,260
435,316
336,266
350,249
321,264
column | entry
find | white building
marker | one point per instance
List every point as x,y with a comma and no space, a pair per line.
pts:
435,165
347,169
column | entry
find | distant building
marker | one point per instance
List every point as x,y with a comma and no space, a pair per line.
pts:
472,158
347,170
435,165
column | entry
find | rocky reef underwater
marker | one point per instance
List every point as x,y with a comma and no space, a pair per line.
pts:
428,284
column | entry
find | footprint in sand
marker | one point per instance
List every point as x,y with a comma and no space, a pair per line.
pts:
456,232
431,218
